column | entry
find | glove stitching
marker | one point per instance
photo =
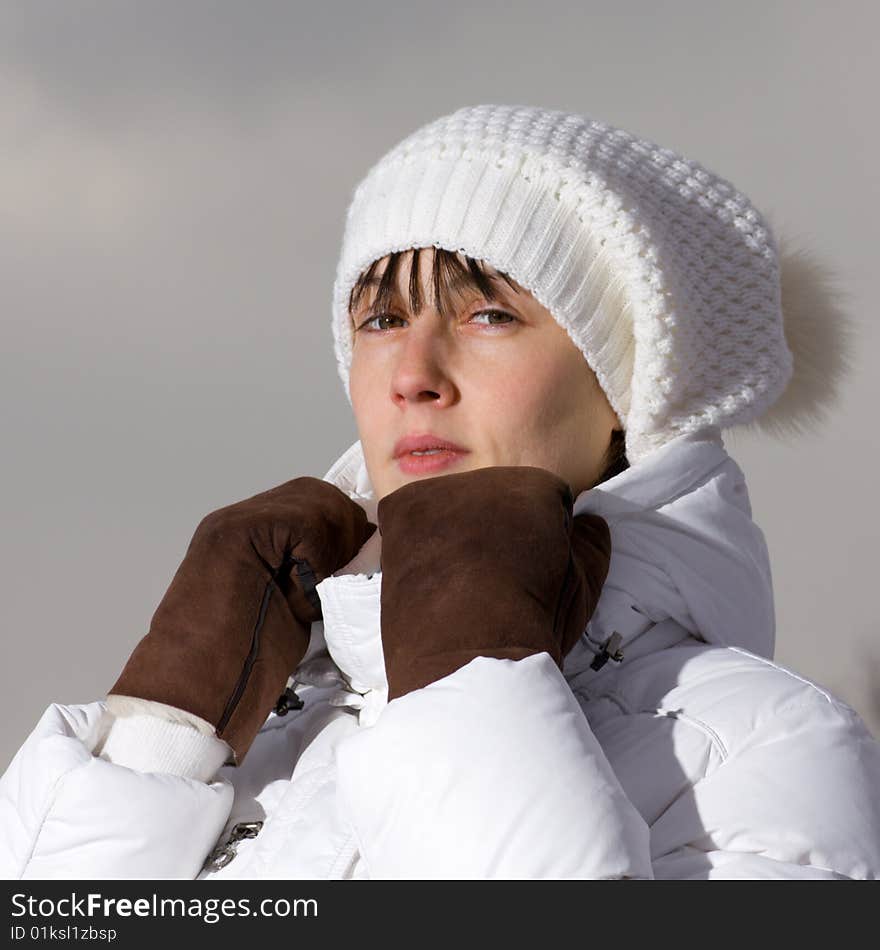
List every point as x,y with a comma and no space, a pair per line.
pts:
241,685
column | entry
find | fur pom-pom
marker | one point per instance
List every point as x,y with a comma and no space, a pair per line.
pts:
822,338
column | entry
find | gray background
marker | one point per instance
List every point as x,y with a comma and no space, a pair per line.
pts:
173,186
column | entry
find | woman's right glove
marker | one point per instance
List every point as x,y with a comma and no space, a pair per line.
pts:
236,619
488,562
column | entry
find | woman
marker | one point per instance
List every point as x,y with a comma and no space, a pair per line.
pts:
528,616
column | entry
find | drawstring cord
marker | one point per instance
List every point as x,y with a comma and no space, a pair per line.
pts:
322,673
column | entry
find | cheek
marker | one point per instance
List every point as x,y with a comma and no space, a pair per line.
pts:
356,386
362,386
541,413
534,392
362,380
370,423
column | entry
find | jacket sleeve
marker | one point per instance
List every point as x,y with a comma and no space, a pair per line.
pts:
798,799
68,813
489,772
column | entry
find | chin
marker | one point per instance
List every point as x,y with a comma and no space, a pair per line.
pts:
398,479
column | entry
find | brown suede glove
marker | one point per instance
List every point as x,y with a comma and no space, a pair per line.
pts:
236,619
487,562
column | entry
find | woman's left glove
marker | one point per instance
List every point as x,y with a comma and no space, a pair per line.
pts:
489,562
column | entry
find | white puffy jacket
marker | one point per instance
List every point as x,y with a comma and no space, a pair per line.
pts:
693,756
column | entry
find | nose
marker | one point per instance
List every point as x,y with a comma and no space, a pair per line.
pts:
421,372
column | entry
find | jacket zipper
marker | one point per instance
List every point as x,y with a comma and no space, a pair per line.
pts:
610,651
224,853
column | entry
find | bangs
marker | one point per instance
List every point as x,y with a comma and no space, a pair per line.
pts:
449,275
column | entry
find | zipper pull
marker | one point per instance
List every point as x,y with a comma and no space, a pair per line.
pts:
288,700
610,651
224,853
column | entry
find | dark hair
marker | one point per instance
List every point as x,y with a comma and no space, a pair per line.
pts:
615,457
447,275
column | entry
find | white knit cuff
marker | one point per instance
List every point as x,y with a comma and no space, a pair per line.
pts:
120,705
148,743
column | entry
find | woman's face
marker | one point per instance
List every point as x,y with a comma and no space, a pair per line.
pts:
500,379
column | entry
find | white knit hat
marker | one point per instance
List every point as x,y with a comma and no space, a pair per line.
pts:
665,277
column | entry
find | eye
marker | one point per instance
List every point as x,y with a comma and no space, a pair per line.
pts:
379,316
375,328
496,313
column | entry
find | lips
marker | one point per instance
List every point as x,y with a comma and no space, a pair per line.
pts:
423,442
449,454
